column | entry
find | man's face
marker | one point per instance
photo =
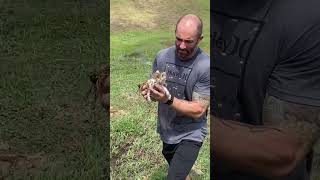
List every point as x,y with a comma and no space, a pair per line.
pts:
187,41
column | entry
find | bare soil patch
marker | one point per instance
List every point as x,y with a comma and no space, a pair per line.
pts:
116,112
117,156
147,15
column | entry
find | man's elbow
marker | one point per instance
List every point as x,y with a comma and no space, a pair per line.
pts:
198,112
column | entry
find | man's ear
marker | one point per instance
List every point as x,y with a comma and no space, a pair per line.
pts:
201,37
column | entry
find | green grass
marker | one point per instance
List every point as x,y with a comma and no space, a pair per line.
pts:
47,51
135,145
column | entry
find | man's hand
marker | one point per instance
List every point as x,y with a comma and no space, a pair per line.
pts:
160,93
144,92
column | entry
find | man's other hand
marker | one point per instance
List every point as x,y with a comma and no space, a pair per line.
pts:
143,89
159,93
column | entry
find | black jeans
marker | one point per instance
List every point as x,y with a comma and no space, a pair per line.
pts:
181,158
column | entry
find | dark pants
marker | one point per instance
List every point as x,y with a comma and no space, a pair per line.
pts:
181,158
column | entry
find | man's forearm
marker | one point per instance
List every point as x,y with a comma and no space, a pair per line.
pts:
260,150
192,109
195,108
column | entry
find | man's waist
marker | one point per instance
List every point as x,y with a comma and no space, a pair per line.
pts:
188,120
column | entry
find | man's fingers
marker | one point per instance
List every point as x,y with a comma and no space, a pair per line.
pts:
142,87
143,92
159,88
157,92
154,92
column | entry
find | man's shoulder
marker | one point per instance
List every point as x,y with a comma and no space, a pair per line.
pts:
203,59
203,55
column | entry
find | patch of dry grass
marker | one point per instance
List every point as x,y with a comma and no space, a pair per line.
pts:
149,15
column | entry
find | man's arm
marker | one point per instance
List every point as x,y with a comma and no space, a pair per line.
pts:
273,150
195,108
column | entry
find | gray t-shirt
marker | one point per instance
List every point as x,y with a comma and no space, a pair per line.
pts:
183,78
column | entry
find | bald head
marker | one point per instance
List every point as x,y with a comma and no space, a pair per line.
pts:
190,21
188,36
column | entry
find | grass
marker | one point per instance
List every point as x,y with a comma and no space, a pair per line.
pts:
47,51
135,145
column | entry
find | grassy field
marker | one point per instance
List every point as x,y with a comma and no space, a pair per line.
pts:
51,127
139,29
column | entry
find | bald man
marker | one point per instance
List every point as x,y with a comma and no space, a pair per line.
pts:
182,117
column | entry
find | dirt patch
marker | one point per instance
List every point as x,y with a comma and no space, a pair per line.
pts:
115,158
146,15
116,112
128,15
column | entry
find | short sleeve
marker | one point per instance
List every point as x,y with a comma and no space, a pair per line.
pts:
202,86
296,76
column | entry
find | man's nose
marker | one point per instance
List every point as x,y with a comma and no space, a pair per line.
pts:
182,45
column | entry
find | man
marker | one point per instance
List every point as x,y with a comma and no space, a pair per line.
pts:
266,88
182,122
